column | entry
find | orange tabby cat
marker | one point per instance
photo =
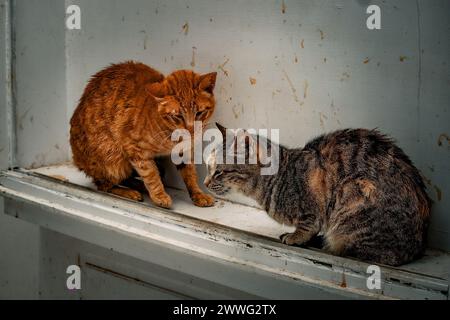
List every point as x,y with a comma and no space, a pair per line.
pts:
125,119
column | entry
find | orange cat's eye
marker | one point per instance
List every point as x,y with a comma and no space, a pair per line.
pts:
177,116
201,114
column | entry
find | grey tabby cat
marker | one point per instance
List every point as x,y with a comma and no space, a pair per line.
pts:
356,188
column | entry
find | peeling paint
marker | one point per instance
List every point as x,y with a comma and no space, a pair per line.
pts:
305,89
238,110
222,67
345,76
294,91
185,28
322,34
194,51
275,92
145,42
344,281
334,109
442,138
59,177
322,119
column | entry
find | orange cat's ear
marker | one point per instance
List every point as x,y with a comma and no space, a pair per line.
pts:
208,82
157,89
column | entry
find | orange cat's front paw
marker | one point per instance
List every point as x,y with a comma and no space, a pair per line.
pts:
162,200
127,193
202,200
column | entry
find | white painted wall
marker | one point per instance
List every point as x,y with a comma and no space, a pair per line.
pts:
40,86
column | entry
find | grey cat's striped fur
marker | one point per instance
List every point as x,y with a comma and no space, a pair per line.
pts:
354,187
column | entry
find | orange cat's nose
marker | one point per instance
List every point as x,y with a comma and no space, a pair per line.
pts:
190,127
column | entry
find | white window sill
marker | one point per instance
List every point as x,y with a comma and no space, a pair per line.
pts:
230,235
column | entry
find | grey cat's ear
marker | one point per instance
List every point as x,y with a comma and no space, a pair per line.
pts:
244,146
256,148
222,129
207,82
251,147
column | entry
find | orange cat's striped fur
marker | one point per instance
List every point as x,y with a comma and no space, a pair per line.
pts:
125,119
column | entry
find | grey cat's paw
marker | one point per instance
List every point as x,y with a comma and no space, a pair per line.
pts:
288,238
